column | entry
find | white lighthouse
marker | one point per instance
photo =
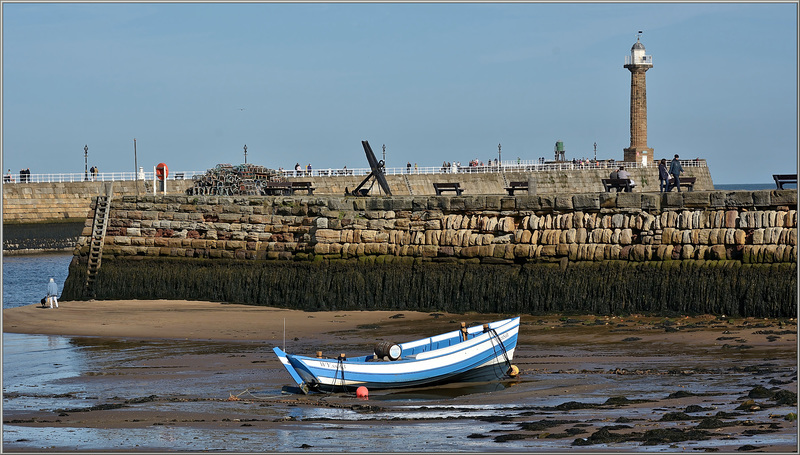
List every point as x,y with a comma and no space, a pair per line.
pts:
638,63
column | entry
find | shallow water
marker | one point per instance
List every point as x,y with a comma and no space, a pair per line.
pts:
25,277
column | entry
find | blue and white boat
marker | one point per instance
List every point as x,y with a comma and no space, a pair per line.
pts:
475,353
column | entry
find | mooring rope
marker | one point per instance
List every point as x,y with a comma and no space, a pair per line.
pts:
233,397
340,364
494,334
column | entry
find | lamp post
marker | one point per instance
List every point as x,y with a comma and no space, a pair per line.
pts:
595,151
86,163
245,154
499,159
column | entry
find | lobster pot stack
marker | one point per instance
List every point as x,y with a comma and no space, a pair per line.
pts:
229,180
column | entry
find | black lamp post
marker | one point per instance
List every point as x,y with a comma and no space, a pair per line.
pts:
86,163
245,154
499,159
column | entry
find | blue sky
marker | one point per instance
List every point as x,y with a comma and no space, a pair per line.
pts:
194,82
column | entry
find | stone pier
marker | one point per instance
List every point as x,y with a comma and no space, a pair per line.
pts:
180,242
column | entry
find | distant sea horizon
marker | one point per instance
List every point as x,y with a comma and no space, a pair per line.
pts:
747,186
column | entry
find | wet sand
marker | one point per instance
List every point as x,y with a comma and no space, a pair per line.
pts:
588,383
182,319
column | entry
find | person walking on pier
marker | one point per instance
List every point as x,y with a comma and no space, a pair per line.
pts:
52,293
663,176
675,170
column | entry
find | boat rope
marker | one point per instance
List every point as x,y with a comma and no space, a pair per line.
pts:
339,366
494,334
236,397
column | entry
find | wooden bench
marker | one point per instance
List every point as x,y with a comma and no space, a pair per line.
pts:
440,187
178,176
516,186
618,184
302,186
277,188
686,182
782,179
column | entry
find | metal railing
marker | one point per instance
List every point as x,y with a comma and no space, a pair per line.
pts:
506,166
99,177
646,60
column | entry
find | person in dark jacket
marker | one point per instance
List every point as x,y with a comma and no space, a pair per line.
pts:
675,170
663,176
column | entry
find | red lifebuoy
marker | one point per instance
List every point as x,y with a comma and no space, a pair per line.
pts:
162,171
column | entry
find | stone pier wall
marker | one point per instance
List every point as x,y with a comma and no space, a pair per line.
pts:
751,227
732,253
566,181
25,203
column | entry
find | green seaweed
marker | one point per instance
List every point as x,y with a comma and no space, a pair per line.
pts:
601,288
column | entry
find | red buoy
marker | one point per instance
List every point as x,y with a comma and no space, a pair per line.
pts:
162,171
362,392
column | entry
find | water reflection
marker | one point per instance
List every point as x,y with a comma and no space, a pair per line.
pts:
446,391
31,361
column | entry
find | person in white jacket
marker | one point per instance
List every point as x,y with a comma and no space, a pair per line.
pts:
52,293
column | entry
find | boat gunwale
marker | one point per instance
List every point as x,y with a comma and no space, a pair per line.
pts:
454,348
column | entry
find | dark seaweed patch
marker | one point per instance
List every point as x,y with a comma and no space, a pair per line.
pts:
649,437
711,423
760,392
695,408
622,401
785,397
675,417
681,394
544,424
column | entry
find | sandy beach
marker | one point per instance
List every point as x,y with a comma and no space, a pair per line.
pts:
182,319
589,383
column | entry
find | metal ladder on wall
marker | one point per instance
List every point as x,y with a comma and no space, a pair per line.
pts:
408,184
99,225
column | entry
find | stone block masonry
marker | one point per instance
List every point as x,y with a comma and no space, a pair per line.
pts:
25,203
751,227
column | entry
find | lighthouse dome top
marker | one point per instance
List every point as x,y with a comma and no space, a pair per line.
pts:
638,57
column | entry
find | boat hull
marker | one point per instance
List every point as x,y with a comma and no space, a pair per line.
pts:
485,354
